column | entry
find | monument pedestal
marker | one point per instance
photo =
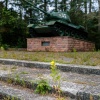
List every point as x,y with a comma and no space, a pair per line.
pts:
59,44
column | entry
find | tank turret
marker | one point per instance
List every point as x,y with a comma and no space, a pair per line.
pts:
57,24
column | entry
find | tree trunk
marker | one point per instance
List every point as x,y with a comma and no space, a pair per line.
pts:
56,1
79,5
6,4
85,6
72,5
45,5
90,5
99,17
64,5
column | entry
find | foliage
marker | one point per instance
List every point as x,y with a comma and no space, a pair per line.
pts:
42,87
7,18
92,24
4,47
13,29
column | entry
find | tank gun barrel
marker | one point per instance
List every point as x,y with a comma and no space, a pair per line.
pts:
37,7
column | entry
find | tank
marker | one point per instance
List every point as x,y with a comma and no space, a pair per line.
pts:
57,24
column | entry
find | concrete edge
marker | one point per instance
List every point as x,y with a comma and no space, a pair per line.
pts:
5,96
86,96
81,69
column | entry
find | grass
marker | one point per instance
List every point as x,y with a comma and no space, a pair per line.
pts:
83,58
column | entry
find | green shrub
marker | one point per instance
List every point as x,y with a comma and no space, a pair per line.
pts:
43,87
4,47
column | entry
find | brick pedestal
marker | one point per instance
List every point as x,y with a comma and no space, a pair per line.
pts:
58,44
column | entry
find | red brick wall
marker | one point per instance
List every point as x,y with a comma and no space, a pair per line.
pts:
57,44
80,45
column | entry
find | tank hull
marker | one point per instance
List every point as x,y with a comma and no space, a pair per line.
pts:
58,28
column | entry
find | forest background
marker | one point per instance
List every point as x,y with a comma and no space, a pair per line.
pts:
14,18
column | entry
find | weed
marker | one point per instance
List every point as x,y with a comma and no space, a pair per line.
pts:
94,63
40,75
4,68
20,81
14,67
2,48
32,83
85,58
9,80
35,59
23,83
74,50
60,98
10,98
55,73
42,87
23,72
17,79
56,78
91,97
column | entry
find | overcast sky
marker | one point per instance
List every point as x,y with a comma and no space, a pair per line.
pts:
51,8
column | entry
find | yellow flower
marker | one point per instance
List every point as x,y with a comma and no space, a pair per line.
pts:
53,66
53,63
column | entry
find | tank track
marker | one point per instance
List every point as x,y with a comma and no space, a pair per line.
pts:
63,30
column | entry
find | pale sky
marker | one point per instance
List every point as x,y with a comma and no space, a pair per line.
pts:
51,8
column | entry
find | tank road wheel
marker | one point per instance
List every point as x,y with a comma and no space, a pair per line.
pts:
61,31
76,35
69,33
72,33
80,36
83,36
66,33
56,28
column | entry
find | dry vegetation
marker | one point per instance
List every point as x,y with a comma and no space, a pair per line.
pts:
83,58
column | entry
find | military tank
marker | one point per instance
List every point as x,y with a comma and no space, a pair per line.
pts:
57,24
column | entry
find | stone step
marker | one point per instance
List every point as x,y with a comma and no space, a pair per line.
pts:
9,92
81,69
79,86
